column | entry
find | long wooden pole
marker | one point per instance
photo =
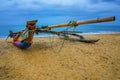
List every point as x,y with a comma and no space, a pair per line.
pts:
98,20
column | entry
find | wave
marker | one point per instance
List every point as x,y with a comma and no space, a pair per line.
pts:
101,32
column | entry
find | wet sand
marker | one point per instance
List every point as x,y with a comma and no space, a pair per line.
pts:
76,60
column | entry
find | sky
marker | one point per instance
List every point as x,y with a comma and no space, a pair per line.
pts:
50,12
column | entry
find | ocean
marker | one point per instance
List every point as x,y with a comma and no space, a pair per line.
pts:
86,29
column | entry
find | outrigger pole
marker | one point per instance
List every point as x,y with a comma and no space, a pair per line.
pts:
47,29
76,23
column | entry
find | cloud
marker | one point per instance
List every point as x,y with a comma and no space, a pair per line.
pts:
103,6
84,5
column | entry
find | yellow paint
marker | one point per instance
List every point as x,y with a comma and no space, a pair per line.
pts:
19,38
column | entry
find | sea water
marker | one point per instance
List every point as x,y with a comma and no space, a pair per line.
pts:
86,29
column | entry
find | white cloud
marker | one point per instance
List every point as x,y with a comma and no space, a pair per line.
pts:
86,5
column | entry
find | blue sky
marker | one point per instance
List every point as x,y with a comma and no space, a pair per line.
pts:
17,12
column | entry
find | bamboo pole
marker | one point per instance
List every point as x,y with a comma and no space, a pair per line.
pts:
98,20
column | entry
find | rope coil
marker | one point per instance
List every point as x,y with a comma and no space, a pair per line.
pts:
74,23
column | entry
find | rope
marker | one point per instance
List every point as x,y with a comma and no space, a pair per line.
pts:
51,43
65,35
73,24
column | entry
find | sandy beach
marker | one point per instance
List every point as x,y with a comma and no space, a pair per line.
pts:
76,60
